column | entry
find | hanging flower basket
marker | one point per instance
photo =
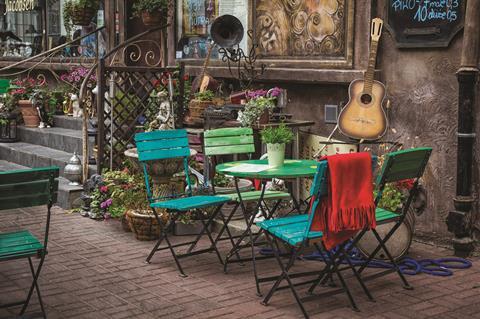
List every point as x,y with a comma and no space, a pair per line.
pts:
152,18
83,16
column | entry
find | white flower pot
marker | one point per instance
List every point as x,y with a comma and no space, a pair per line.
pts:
276,154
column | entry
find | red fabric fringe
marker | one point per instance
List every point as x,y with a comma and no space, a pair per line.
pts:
349,206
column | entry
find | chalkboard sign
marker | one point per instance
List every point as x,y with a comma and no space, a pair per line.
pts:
424,23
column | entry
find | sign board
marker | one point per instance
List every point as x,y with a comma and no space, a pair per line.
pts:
19,5
424,23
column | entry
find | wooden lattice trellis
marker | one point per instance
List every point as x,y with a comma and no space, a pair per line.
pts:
127,104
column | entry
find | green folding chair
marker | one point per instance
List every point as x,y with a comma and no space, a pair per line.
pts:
296,234
159,145
398,166
27,188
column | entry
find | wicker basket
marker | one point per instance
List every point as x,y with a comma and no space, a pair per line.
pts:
143,224
197,108
83,16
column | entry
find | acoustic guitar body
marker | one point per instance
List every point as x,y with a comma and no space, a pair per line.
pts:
363,117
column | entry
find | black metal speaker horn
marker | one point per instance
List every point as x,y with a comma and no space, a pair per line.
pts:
227,31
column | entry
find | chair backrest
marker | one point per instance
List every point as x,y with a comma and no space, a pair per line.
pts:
28,188
223,141
402,165
319,189
226,141
159,145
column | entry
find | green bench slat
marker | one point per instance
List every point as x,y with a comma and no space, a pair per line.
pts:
160,135
28,175
232,149
162,144
188,203
230,140
28,200
18,244
163,154
225,132
255,195
20,189
406,164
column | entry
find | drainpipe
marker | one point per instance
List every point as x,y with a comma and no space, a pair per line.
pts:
459,221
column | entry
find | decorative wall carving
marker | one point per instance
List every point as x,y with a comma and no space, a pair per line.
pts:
293,29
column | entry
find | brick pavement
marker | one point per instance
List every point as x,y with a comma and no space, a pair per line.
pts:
95,270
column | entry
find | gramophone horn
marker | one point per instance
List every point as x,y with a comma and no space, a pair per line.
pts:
227,31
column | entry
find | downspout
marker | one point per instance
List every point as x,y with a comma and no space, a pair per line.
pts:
459,221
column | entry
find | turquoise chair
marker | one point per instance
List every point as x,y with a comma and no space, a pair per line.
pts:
27,188
159,145
296,234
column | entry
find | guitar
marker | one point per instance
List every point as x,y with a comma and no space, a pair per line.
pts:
204,81
363,117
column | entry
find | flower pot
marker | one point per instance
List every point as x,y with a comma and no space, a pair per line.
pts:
152,18
143,224
276,154
29,113
83,16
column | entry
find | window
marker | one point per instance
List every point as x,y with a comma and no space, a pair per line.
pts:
195,18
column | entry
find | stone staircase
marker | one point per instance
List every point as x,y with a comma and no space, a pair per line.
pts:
46,147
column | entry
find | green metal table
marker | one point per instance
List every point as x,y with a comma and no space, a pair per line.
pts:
292,169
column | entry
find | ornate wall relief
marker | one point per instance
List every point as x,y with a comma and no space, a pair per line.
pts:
320,31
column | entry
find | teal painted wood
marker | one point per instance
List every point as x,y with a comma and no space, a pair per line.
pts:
28,175
291,169
19,244
230,131
160,135
163,154
4,86
193,202
255,195
162,144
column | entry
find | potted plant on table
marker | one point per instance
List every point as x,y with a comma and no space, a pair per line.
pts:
276,138
260,104
151,11
79,12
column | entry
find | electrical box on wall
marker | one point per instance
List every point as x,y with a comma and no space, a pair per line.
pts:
331,113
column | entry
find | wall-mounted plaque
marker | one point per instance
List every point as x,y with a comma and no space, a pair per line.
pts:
424,23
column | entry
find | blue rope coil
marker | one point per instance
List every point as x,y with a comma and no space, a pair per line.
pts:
407,265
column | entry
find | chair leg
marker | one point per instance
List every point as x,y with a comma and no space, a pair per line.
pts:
34,285
356,274
225,228
163,231
406,285
209,233
342,280
284,274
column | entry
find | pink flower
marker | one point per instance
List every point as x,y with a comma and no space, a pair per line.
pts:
103,189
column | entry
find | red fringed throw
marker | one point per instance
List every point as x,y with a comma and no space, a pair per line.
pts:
349,205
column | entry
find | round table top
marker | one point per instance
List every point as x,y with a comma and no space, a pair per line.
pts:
290,169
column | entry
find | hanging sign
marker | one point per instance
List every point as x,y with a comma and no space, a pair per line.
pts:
424,23
19,5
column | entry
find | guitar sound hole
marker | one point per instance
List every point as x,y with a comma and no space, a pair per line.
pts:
366,98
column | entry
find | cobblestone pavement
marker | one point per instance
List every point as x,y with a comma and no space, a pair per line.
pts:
96,270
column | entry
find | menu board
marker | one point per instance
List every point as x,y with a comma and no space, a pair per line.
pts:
424,23
195,19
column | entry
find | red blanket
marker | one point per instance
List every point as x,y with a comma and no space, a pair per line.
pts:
349,205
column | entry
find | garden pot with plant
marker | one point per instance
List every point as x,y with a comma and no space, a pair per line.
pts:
259,106
23,97
276,138
79,12
199,104
152,12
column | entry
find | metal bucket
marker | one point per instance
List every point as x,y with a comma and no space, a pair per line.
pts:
398,244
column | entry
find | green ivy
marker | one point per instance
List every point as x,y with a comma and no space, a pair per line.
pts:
149,6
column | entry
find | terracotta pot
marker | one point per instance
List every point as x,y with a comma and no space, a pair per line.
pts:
83,16
152,18
29,113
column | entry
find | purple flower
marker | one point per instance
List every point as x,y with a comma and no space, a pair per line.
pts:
106,204
274,92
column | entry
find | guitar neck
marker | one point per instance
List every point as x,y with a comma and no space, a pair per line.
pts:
369,75
207,61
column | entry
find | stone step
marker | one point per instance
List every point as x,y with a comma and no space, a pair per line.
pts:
68,122
68,196
56,137
32,155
